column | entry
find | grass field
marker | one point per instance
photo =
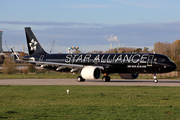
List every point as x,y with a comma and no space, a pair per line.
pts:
56,75
89,102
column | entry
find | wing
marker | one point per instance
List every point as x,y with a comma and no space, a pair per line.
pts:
73,67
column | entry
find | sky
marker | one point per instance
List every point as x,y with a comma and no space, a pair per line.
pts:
89,24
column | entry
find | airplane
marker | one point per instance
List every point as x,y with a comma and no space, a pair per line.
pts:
91,66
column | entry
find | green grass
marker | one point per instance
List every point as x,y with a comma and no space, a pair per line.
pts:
89,102
39,76
56,75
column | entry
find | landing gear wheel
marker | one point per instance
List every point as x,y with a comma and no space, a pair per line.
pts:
155,81
155,78
80,79
106,79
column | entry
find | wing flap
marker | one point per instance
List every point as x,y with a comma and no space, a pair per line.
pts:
56,64
63,65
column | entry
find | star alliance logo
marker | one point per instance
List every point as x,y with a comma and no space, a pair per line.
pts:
33,45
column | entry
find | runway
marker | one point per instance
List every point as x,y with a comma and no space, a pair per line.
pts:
113,82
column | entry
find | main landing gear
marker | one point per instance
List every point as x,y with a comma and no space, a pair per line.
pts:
80,79
106,78
155,78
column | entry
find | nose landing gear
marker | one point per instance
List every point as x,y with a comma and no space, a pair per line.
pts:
155,78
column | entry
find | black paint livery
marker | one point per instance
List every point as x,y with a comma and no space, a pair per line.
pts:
91,66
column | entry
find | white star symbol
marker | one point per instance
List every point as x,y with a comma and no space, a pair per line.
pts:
33,44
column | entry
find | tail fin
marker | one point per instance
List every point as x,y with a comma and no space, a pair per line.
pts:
16,56
32,42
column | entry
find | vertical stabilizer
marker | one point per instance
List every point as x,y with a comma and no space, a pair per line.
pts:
32,42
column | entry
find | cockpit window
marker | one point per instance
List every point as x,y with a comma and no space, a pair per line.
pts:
169,59
161,60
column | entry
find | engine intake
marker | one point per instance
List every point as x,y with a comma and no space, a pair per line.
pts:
91,72
129,75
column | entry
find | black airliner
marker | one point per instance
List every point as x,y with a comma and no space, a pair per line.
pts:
91,66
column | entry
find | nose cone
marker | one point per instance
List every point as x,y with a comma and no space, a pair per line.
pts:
173,66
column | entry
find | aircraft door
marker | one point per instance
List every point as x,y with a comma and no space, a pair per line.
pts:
150,59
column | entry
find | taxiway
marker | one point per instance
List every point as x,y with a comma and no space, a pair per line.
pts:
114,82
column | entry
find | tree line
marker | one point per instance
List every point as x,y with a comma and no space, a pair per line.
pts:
172,50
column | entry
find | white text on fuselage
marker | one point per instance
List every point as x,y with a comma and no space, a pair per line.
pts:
105,58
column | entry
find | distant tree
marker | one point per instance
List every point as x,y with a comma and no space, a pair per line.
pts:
167,49
158,47
138,50
77,51
9,66
21,54
121,51
95,51
177,62
175,50
2,59
126,50
7,54
163,48
145,49
115,50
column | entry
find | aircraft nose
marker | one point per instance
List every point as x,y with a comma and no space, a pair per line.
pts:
173,66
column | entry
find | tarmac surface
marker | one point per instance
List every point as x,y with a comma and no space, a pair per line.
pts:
113,82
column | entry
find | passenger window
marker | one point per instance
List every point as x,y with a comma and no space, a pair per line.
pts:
161,60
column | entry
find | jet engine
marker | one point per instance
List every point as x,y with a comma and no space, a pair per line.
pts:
129,75
91,72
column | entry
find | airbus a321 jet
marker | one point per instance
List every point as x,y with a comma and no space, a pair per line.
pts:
91,66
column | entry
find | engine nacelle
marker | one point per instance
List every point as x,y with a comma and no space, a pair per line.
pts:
91,72
129,75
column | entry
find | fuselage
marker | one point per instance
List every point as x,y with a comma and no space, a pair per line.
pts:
115,63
